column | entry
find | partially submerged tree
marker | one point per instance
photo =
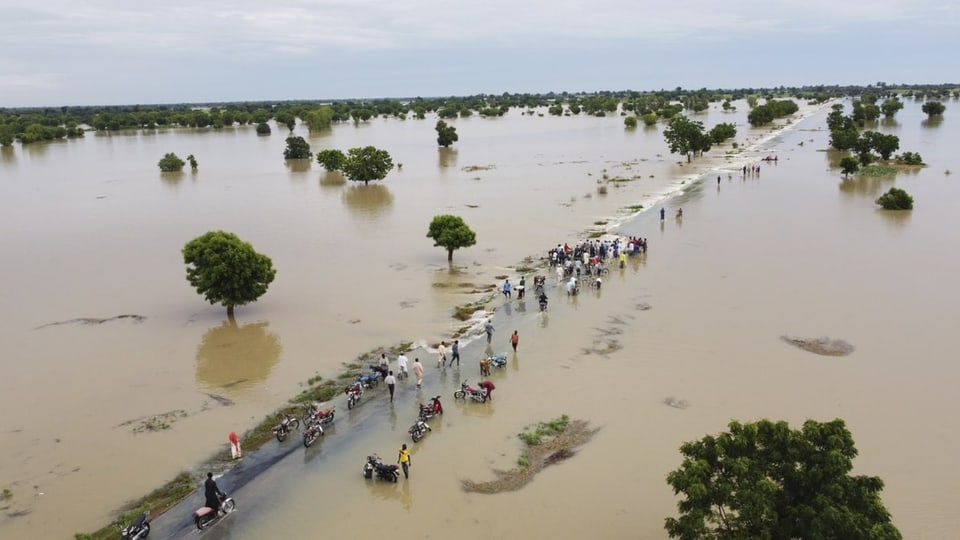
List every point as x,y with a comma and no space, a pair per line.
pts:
849,165
685,136
765,480
933,108
263,128
227,270
193,163
630,122
297,148
451,233
895,199
446,134
331,159
366,164
171,163
722,132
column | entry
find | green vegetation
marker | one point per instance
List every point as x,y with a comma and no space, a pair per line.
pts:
650,119
227,270
366,164
451,233
849,165
909,158
171,163
630,122
157,502
890,106
331,159
319,119
765,480
535,435
6,495
877,170
762,115
685,136
895,199
933,108
297,148
446,134
193,162
263,128
722,132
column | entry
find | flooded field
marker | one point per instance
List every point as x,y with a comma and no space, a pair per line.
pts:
93,231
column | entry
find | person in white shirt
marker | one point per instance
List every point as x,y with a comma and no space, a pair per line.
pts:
391,384
402,366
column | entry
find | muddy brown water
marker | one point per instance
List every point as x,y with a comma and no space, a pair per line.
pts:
93,230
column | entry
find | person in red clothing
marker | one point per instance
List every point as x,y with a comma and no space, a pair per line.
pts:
488,387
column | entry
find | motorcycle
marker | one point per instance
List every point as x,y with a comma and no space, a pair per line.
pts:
389,473
206,516
418,430
286,425
353,392
543,302
465,391
497,361
313,432
369,381
381,370
312,413
433,409
136,530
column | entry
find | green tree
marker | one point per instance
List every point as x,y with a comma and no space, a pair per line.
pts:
909,158
263,128
685,136
650,119
722,132
171,163
331,159
446,134
849,165
933,108
319,119
895,199
297,148
891,106
227,270
883,144
765,480
366,164
630,121
193,162
451,233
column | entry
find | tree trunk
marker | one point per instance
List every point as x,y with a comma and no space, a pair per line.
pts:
449,254
230,311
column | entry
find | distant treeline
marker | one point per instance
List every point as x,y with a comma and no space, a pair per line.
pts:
48,123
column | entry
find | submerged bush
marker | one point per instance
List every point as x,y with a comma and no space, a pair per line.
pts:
896,199
909,158
171,163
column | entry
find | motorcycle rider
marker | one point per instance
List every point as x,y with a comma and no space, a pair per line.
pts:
543,299
212,493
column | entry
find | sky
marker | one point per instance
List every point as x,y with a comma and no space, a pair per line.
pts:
112,52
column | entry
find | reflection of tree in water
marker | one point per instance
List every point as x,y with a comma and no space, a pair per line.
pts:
896,219
298,165
7,153
233,357
865,185
372,200
926,122
446,158
172,179
332,180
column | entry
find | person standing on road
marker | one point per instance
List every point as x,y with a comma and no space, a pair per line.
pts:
403,459
441,354
488,328
663,214
506,289
391,384
514,340
418,371
522,286
455,348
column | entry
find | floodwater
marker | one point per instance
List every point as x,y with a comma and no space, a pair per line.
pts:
92,230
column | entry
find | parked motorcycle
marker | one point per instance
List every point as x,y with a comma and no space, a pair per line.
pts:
353,392
389,473
418,430
312,432
312,413
467,391
433,409
206,516
286,425
136,530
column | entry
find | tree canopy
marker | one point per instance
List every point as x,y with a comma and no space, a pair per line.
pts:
170,162
331,159
765,480
933,108
366,164
451,232
227,270
297,148
895,199
446,134
685,136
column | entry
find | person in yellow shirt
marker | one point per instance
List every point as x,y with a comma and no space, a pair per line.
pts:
404,460
623,259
